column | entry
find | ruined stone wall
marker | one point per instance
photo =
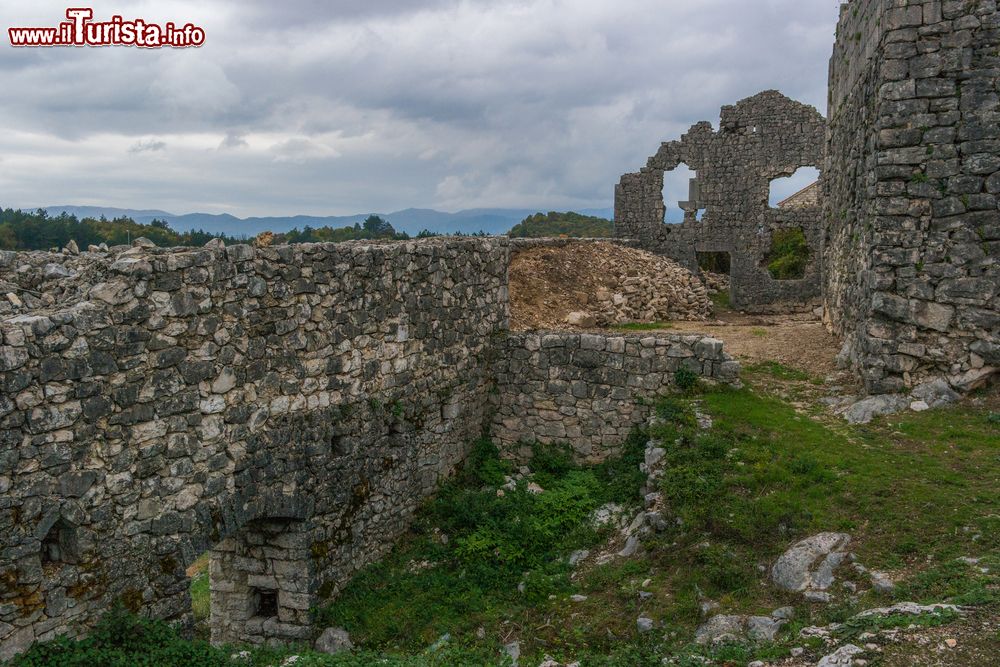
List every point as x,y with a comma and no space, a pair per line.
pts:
199,392
761,138
911,182
591,390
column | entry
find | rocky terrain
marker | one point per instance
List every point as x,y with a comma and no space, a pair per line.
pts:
600,284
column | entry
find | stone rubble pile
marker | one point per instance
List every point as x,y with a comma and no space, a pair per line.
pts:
715,282
600,284
36,280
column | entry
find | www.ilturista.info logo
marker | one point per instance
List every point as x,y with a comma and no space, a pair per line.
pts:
80,30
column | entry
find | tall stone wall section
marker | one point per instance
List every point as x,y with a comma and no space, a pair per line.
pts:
912,180
303,397
591,390
759,139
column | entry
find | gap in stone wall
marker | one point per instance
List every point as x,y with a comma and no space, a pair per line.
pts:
678,189
784,187
789,255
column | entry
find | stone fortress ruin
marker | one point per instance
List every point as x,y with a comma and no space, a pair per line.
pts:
904,229
760,139
287,408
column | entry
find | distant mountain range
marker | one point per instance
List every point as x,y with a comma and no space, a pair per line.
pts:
411,220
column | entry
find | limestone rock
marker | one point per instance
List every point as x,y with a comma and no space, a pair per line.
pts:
935,393
581,319
841,657
810,562
333,641
763,628
721,628
867,409
513,651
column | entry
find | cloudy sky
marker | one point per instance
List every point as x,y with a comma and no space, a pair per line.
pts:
343,106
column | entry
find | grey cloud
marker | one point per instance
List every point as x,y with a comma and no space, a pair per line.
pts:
148,146
347,106
233,139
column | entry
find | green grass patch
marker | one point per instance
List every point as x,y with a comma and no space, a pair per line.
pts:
495,543
643,326
777,370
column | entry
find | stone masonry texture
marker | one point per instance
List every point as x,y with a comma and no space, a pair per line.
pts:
912,182
592,390
284,408
761,138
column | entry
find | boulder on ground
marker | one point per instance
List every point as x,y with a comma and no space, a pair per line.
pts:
809,564
334,640
720,628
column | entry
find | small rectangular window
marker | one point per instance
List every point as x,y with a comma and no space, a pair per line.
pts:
267,603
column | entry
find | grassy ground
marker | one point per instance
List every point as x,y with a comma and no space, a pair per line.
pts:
916,491
643,326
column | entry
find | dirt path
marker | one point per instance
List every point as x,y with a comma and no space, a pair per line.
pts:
796,341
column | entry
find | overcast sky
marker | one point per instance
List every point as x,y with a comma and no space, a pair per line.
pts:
342,106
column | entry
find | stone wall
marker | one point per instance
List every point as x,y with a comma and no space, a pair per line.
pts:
911,182
761,138
284,408
591,390
199,392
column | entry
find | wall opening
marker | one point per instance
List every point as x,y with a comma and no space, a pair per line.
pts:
265,603
681,195
59,546
789,255
716,268
198,587
260,584
791,191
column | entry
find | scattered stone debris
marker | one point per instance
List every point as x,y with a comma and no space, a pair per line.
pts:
842,656
730,627
37,280
600,284
911,608
932,394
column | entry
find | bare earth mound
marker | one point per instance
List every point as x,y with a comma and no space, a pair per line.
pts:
610,283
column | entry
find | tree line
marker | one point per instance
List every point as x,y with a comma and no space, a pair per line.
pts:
24,230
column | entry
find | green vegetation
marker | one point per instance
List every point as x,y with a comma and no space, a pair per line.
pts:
714,262
720,301
37,231
373,228
552,224
789,255
200,607
780,371
432,586
916,492
20,230
642,326
685,379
